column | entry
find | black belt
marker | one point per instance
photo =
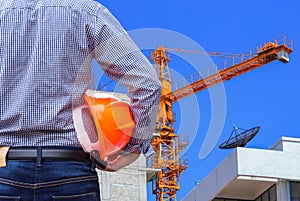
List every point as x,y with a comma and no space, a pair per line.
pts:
48,154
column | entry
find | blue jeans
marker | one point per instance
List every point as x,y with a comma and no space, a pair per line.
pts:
48,181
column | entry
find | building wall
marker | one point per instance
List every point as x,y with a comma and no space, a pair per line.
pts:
268,163
127,184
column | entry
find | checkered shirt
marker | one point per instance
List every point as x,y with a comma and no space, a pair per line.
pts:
46,52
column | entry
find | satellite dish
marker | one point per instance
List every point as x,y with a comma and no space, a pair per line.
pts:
240,139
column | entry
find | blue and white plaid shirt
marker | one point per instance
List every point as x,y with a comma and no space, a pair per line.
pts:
46,51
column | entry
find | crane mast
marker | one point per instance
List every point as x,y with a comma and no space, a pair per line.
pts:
167,145
161,60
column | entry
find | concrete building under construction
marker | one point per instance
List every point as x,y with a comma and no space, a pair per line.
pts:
249,174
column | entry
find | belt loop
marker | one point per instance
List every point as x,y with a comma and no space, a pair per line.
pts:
39,157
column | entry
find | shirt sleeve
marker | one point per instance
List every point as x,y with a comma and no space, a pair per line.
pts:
123,62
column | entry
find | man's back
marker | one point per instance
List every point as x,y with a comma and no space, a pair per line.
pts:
46,50
43,46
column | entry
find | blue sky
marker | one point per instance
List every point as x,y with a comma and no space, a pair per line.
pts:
267,97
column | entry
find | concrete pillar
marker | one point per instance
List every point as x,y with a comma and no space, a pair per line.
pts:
128,184
282,189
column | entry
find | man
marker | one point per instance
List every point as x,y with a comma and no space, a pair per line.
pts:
46,50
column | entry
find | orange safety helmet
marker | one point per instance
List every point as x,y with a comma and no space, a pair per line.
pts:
104,125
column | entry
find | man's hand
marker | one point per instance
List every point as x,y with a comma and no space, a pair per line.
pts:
116,162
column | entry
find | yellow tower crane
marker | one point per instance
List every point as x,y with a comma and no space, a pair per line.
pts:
166,182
